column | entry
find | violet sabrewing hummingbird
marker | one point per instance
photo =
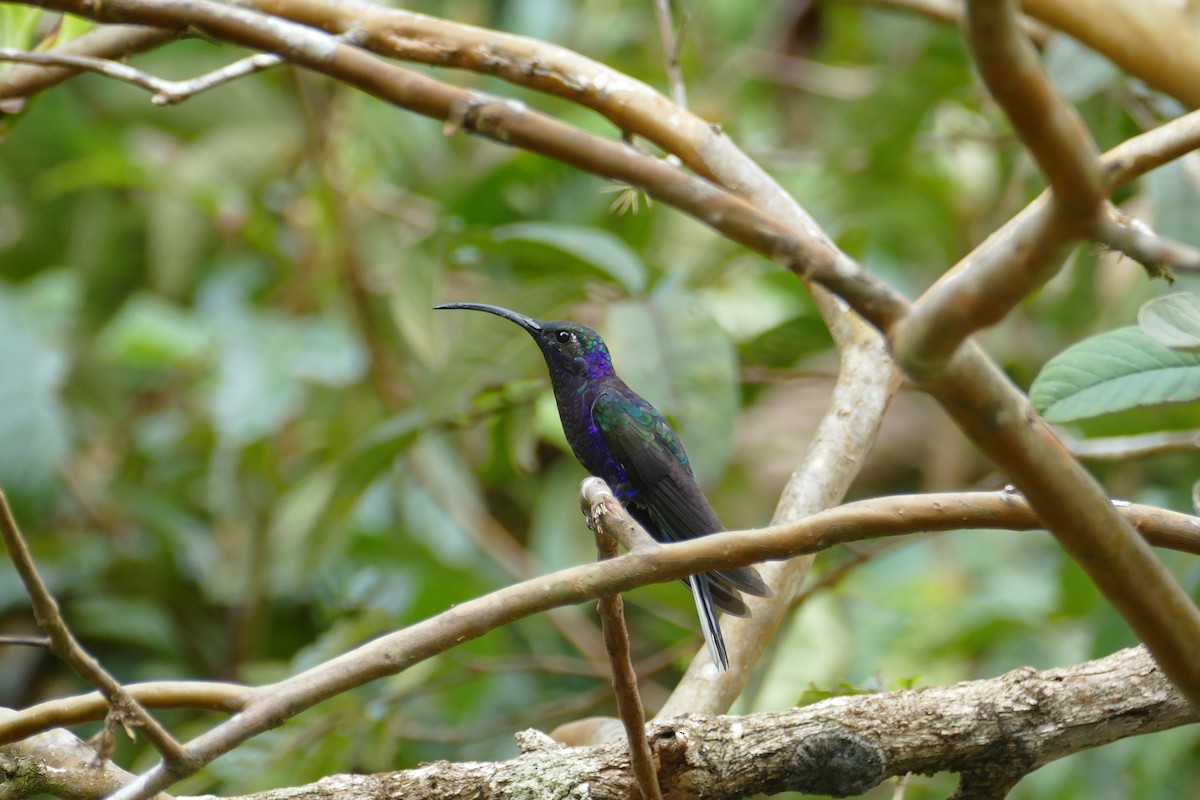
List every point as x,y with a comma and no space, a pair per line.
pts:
619,437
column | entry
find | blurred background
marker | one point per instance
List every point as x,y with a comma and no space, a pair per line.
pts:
240,442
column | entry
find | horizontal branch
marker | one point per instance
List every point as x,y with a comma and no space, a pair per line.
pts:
262,707
842,746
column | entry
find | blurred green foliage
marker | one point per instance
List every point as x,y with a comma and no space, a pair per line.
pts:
240,442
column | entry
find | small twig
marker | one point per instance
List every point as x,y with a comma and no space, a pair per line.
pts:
105,41
26,641
670,45
1120,448
64,645
950,12
901,787
1137,240
624,680
165,92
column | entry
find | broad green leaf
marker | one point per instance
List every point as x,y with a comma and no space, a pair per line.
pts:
673,353
311,516
603,250
1114,371
150,332
1173,320
264,358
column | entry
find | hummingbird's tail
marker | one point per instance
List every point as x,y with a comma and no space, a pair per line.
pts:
709,626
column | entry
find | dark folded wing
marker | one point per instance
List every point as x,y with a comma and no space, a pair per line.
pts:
656,466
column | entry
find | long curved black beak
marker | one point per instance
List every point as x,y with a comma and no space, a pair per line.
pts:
528,323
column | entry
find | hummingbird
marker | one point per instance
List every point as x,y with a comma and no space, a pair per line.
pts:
619,437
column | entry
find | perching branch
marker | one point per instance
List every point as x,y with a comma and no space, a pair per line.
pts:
842,746
262,708
624,680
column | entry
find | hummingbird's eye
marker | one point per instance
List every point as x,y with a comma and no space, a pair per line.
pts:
563,337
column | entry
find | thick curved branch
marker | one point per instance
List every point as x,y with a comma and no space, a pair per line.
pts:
1011,269
1051,130
843,746
1154,40
979,286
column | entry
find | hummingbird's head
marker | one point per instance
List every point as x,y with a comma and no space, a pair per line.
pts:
568,347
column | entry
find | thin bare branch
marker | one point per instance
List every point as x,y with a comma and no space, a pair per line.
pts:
951,13
670,45
105,42
624,680
1137,240
1122,448
26,641
1135,157
165,92
1048,126
64,645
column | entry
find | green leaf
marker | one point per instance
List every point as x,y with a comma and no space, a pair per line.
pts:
150,332
310,518
264,358
599,248
1114,371
1173,320
673,353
